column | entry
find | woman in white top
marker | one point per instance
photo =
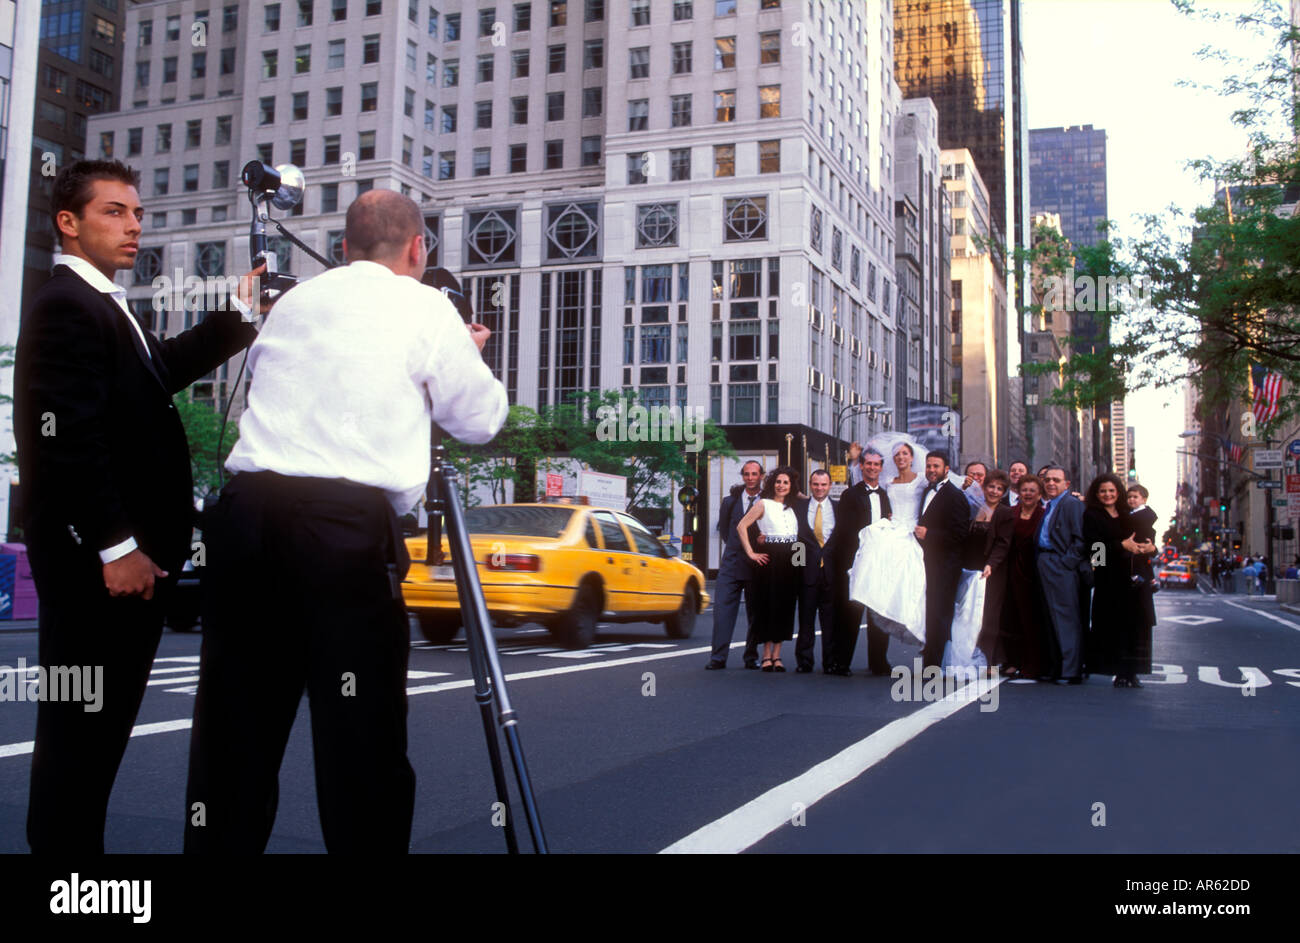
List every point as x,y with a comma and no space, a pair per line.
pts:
776,579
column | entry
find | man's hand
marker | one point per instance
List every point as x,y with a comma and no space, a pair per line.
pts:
967,483
250,287
920,532
132,575
479,334
988,571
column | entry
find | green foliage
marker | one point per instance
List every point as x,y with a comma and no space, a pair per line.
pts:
202,431
7,459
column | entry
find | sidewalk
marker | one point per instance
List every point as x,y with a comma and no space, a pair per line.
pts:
17,625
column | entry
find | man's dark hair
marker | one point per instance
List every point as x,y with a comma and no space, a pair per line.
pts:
870,451
752,461
939,454
966,470
1019,461
819,471
1140,490
74,186
379,225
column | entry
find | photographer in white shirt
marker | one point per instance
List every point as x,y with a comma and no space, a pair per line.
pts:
304,551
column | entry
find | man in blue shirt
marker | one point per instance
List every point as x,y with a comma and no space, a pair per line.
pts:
1061,560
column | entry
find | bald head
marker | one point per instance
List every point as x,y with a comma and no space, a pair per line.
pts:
381,226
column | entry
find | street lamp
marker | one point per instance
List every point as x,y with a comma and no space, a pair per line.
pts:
853,407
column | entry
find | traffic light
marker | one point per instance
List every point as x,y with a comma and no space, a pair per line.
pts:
1223,509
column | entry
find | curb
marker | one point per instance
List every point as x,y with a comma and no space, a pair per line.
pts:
18,625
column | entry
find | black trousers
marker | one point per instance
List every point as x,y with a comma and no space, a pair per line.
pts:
848,618
77,752
816,598
302,593
942,574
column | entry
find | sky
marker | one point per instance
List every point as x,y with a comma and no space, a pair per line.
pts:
1116,64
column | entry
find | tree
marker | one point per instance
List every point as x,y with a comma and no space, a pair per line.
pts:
512,455
203,427
7,459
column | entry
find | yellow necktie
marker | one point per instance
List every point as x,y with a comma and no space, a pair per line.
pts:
817,526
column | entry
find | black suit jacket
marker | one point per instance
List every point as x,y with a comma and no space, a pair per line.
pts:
814,552
102,454
733,560
1144,526
854,513
946,522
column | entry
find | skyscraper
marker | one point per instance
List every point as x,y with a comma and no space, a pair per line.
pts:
1067,173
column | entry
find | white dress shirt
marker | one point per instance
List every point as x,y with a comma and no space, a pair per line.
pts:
828,516
348,371
929,495
873,496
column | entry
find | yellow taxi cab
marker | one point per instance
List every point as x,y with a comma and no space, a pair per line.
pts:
565,566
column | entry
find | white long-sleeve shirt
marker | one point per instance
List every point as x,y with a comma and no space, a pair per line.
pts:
348,371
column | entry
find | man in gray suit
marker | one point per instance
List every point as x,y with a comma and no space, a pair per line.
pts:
1061,559
735,572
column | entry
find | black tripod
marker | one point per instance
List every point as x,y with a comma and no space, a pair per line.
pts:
440,499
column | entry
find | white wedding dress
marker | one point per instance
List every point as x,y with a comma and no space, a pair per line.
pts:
888,575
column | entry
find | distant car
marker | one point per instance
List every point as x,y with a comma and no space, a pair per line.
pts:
567,567
1177,574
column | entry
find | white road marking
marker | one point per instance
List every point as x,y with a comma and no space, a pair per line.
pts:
141,730
1267,615
1193,620
416,675
172,680
758,818
170,671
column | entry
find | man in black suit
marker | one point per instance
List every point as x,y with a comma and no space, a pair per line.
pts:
942,527
818,531
860,506
735,572
108,497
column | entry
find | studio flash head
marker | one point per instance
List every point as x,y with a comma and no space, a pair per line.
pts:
283,186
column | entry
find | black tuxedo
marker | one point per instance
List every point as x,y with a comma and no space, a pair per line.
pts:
735,576
816,584
855,514
947,523
102,456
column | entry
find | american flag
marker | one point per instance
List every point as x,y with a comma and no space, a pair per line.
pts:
1234,453
1268,387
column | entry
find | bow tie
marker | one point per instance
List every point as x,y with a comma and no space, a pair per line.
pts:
871,490
934,486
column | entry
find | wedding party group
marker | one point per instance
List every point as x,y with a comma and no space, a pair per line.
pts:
988,571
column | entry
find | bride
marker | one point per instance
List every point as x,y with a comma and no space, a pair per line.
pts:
888,574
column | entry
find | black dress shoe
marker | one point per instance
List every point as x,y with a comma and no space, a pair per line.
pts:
841,672
1133,681
751,665
803,669
1077,679
715,666
878,672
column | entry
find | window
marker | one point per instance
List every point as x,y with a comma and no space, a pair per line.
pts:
656,225
163,139
174,24
518,158
555,59
193,134
161,181
636,168
640,13
486,67
223,130
724,52
169,70
448,119
638,114
413,11
134,141
681,111
591,152
679,164
453,27
190,178
656,339
332,148
298,151
366,145
638,63
523,17
142,75
593,54
482,161
683,10
559,13
554,155
305,12
210,258
682,58
329,198
148,264
724,160
228,61
146,33
486,18
198,65
338,10
335,60
724,105
483,114
595,10
519,110
592,102
769,46
815,229
744,218
334,101
271,22
408,147
374,7
769,101
431,68
299,106
554,106
270,64
369,96
447,165
370,49
411,57
426,163
105,145
450,73
519,64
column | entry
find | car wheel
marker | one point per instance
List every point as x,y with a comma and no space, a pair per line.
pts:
437,629
681,624
576,628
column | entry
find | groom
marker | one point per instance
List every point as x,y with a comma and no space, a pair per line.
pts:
860,506
942,528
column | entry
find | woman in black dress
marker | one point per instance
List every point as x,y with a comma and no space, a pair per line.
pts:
1117,618
1022,617
994,524
776,579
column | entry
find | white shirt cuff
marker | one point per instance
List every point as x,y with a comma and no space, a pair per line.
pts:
117,551
244,311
